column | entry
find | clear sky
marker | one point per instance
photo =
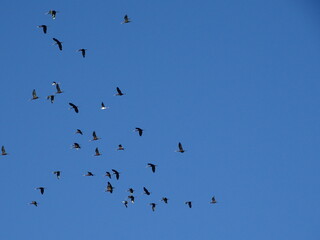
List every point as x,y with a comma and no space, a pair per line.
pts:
236,82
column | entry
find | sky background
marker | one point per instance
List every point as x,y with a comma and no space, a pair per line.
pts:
237,82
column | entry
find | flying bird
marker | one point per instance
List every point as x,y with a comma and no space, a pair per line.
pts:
57,173
120,147
83,52
109,188
153,206
3,151
189,203
165,200
108,174
181,150
44,28
130,190
57,42
41,189
89,174
58,89
34,203
103,107
139,130
79,132
95,138
126,19
76,109
119,93
115,172
53,13
146,191
213,200
153,167
125,203
51,98
76,146
54,83
34,95
131,197
97,153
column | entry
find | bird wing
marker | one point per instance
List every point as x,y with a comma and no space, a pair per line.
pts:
180,146
3,150
58,88
119,91
34,94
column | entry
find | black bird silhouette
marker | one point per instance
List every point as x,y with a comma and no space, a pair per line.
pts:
131,197
130,190
213,200
181,150
120,147
94,135
103,107
34,95
165,200
41,189
57,173
79,131
108,174
153,167
189,203
119,93
76,146
115,172
58,89
51,98
76,109
109,188
97,153
153,206
44,28
3,151
34,203
89,174
139,130
57,42
53,13
126,19
125,203
146,191
83,52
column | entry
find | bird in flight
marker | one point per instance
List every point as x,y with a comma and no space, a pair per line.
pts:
83,52
51,98
34,203
139,130
41,189
181,150
34,95
126,19
153,167
146,191
53,13
131,197
213,200
57,173
3,151
115,172
76,146
189,203
119,93
76,109
130,190
89,174
108,174
44,28
79,132
103,107
109,188
57,42
58,88
153,206
165,200
97,153
95,138
120,147
125,203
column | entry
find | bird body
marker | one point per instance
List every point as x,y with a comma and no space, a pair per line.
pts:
79,132
76,109
131,197
119,92
97,153
44,28
34,95
76,146
57,173
125,203
126,19
153,206
53,13
153,167
58,88
89,174
41,190
51,98
120,147
35,203
3,151
189,203
83,52
165,200
146,191
57,42
108,174
109,188
94,135
213,200
115,172
181,150
139,130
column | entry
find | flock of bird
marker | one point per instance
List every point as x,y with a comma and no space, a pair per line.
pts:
109,187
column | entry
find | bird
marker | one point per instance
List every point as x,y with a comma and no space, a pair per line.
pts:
44,28
213,200
57,42
52,13
76,146
146,191
51,97
130,190
109,188
139,130
57,173
35,203
79,131
115,172
58,88
189,203
120,147
181,150
165,200
83,52
54,83
103,107
108,174
119,93
3,151
89,174
153,206
41,189
126,19
95,138
97,152
76,109
34,95
153,167
125,203
131,197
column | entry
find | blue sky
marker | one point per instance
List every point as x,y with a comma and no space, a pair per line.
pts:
237,82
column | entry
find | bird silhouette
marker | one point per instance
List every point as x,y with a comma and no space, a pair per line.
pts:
44,28
83,52
108,174
89,174
119,93
153,167
103,107
165,200
153,206
35,203
189,203
115,172
97,153
146,191
120,147
94,135
57,173
126,19
213,200
139,130
58,89
79,132
181,150
57,42
125,203
76,109
109,188
51,98
3,151
41,189
53,13
130,190
132,198
34,95
76,146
